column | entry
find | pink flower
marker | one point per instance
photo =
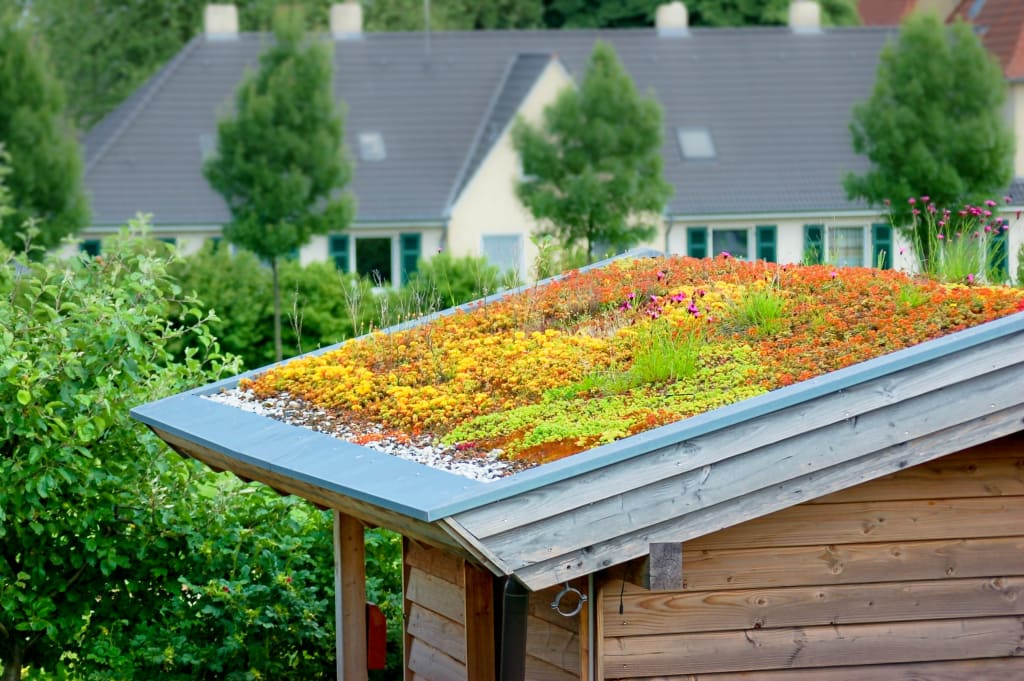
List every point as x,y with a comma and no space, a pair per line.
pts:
942,223
926,198
970,278
916,212
987,213
902,250
990,203
887,202
911,200
833,274
1008,199
940,236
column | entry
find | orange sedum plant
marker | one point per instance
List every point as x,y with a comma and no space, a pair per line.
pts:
603,354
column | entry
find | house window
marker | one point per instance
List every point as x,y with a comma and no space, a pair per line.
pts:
731,241
337,251
504,251
695,143
371,146
846,246
215,243
373,259
409,253
169,240
90,247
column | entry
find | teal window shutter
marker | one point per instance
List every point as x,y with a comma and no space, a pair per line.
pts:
169,240
881,246
410,245
814,244
90,247
697,242
337,251
999,256
766,239
215,242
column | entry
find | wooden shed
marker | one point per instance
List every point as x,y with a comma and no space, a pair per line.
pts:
867,524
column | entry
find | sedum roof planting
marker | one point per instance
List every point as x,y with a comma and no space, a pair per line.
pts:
599,355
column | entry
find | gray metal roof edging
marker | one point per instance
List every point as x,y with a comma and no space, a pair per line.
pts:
733,414
449,493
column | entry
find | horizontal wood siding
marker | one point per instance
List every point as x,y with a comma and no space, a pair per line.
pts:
552,641
918,575
435,631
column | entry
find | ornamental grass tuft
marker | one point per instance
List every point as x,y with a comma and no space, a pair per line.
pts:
604,354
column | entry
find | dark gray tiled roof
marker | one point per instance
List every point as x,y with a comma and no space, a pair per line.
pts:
776,103
522,73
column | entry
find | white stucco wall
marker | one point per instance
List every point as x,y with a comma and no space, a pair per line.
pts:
488,204
1015,116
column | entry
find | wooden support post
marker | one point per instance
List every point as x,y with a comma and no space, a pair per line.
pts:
666,567
350,597
480,635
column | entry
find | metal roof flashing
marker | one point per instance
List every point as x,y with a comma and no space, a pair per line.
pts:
428,494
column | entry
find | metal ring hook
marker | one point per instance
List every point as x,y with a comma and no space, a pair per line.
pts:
580,596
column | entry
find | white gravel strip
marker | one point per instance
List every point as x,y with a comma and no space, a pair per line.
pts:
422,450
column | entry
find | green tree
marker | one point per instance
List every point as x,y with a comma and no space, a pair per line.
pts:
280,163
453,15
594,166
630,13
46,164
80,343
933,124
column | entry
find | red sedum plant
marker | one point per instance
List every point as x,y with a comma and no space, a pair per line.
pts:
600,355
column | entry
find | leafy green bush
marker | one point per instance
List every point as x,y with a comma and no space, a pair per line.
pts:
445,281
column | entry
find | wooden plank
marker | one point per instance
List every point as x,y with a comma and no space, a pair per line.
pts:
368,513
440,632
433,665
481,655
434,593
406,609
350,598
552,500
583,636
620,549
666,567
684,612
436,562
860,522
539,670
480,553
759,469
813,647
947,477
552,644
852,563
989,669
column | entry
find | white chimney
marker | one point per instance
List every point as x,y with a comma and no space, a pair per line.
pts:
805,16
220,22
347,20
672,20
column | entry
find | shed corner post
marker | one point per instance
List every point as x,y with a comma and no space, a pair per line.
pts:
349,597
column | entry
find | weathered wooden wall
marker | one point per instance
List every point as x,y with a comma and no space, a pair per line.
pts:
918,575
450,623
449,610
553,642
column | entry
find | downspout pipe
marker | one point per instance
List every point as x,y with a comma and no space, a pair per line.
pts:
515,607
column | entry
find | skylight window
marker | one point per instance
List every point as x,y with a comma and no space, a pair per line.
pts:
695,143
371,146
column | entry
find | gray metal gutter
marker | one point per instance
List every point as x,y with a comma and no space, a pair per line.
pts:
428,494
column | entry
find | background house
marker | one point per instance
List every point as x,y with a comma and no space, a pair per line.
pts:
756,138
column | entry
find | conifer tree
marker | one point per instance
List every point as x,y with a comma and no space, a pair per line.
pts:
594,167
45,180
280,163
